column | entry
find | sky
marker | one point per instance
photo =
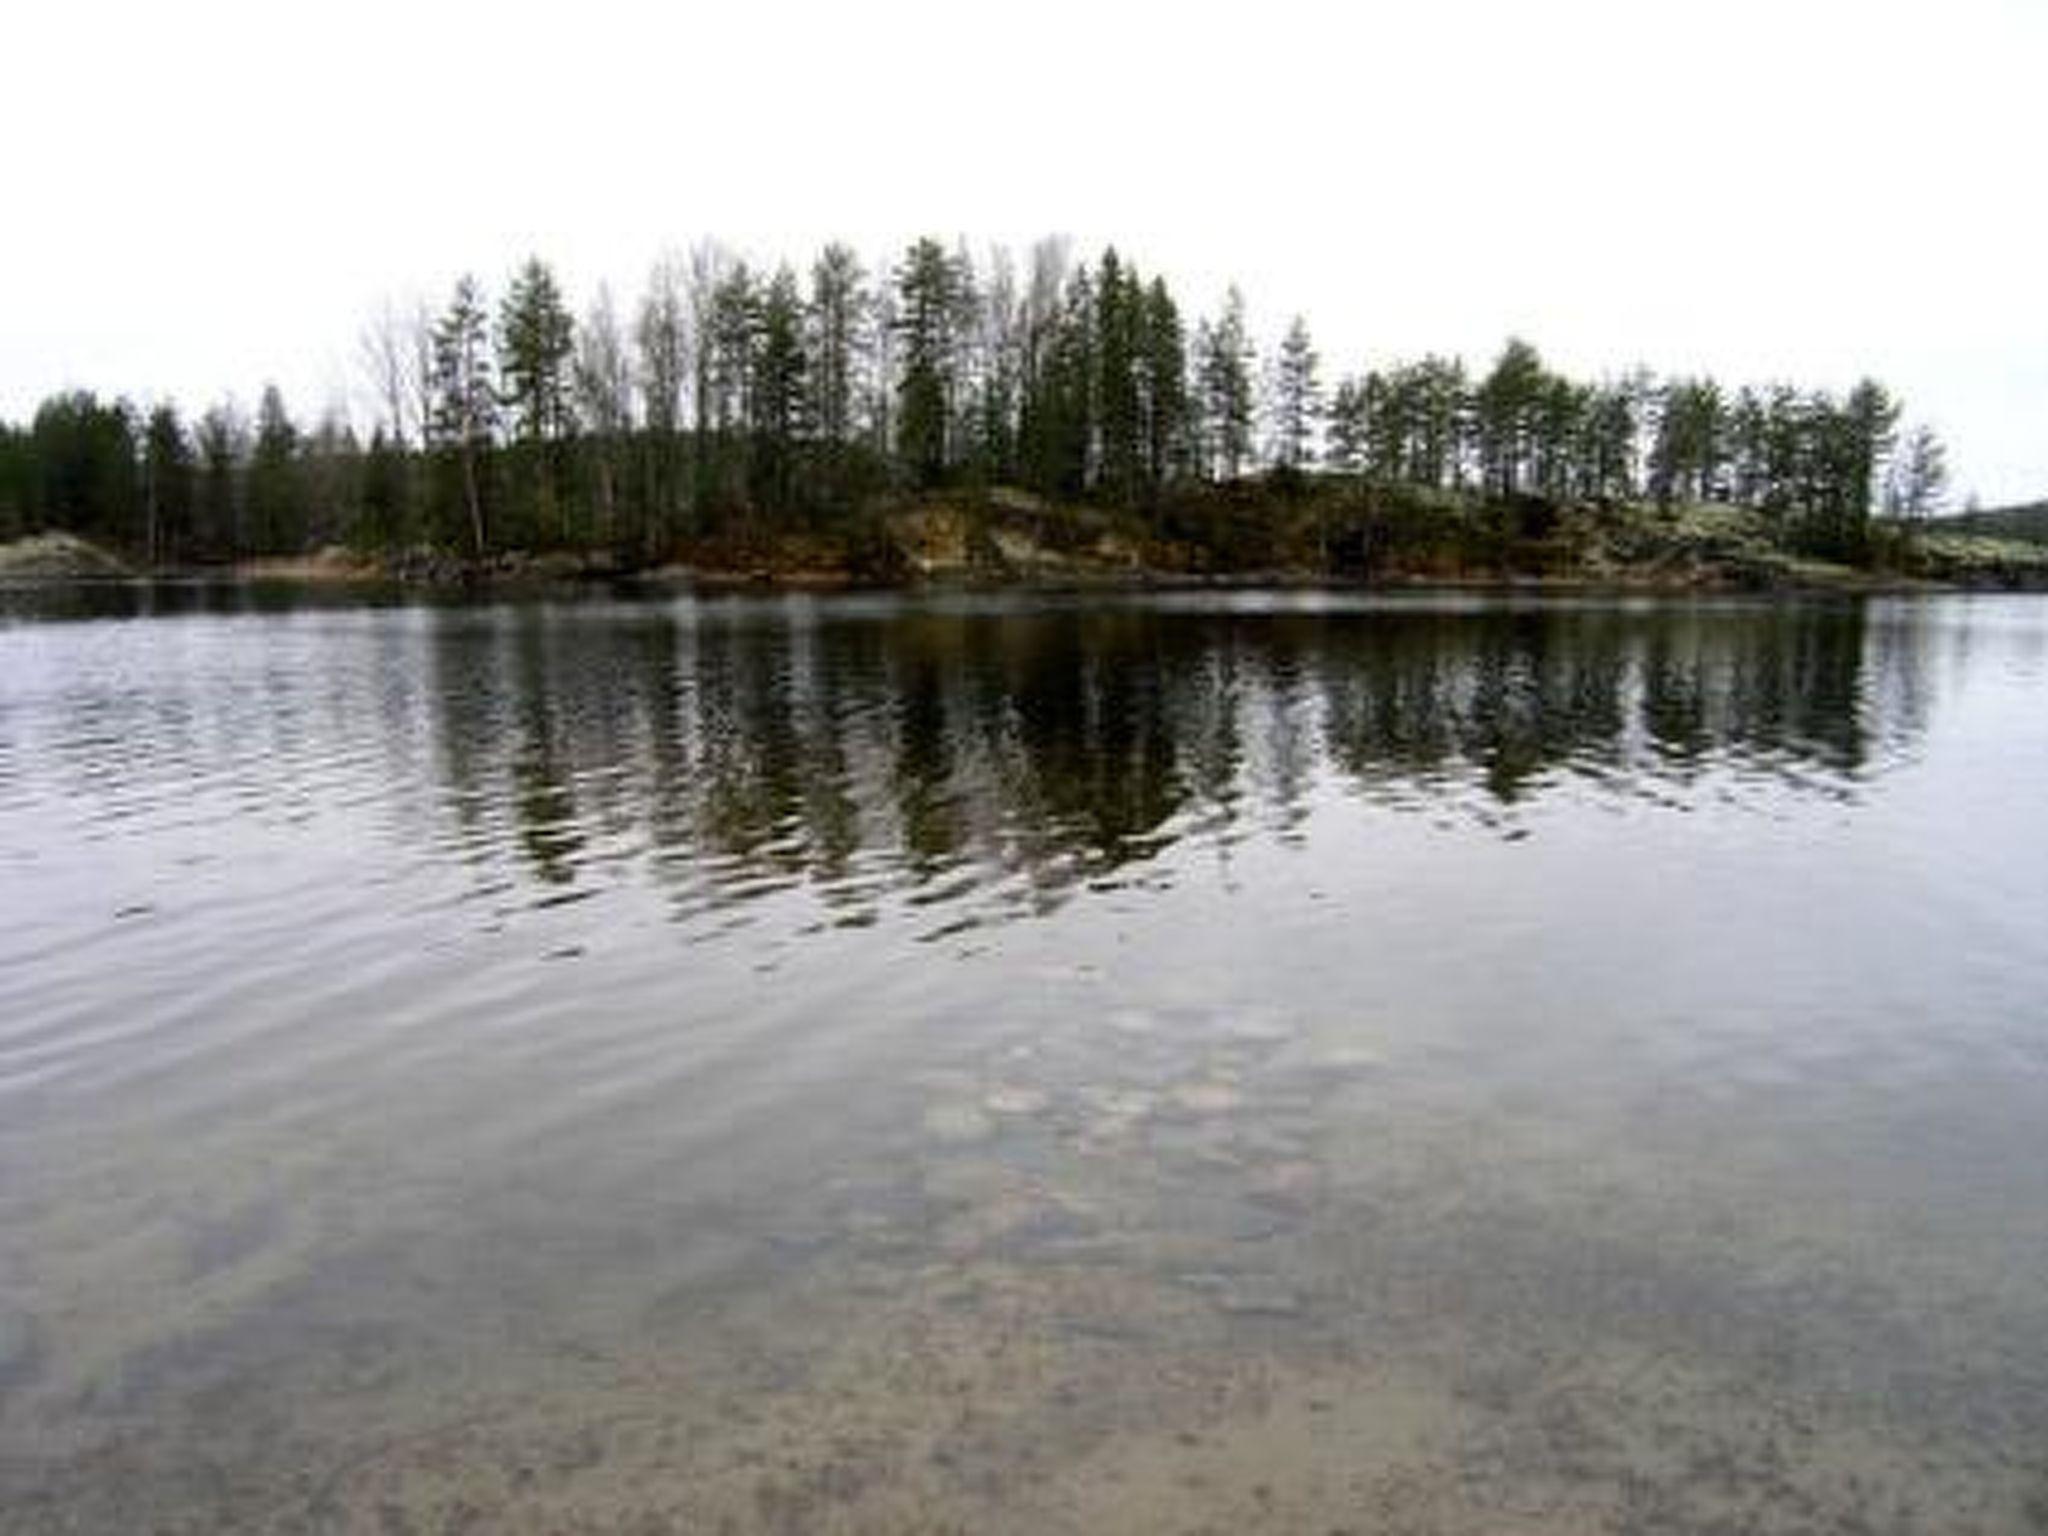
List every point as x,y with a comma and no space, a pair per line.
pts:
206,196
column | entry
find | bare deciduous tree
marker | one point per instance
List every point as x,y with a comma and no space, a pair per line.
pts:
603,381
662,338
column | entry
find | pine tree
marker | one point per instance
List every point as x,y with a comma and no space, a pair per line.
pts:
881,381
1783,437
727,338
1297,399
1611,441
1349,427
727,344
1689,455
1072,386
602,392
1117,386
465,400
1505,410
838,314
1038,406
1871,432
536,342
1445,421
1558,433
1920,478
778,395
1385,433
1226,380
999,347
966,381
1081,383
1748,449
1164,374
666,345
926,311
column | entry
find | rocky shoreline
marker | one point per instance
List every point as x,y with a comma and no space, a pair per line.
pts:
993,544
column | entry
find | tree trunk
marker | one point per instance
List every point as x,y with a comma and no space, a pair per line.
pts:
469,495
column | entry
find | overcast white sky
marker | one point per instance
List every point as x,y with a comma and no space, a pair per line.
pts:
203,196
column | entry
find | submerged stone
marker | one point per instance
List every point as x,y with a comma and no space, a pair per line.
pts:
958,1124
1246,1295
1209,1098
1012,1100
1258,1029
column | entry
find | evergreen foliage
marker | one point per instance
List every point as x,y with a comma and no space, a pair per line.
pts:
170,486
274,486
739,402
1226,385
223,442
536,347
925,314
464,423
1919,481
1297,400
83,472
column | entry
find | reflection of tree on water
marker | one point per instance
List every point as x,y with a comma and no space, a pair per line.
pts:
1422,701
545,790
742,748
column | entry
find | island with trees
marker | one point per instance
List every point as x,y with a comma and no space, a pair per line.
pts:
943,415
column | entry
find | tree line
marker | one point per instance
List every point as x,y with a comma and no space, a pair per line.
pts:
738,402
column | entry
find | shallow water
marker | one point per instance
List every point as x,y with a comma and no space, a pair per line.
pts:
1022,1064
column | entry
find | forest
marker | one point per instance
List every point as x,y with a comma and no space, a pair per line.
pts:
732,405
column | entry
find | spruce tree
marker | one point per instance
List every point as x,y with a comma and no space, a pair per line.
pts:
277,520
170,479
86,466
384,523
222,441
17,471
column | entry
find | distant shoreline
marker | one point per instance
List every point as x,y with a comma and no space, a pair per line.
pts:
1000,543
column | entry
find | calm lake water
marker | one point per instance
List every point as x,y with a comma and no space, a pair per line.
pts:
959,1064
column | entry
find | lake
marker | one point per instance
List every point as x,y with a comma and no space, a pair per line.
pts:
1200,1062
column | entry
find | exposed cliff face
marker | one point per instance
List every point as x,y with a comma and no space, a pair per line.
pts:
1007,537
58,556
1012,536
1001,536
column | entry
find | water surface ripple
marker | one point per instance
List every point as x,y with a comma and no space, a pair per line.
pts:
1022,1063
